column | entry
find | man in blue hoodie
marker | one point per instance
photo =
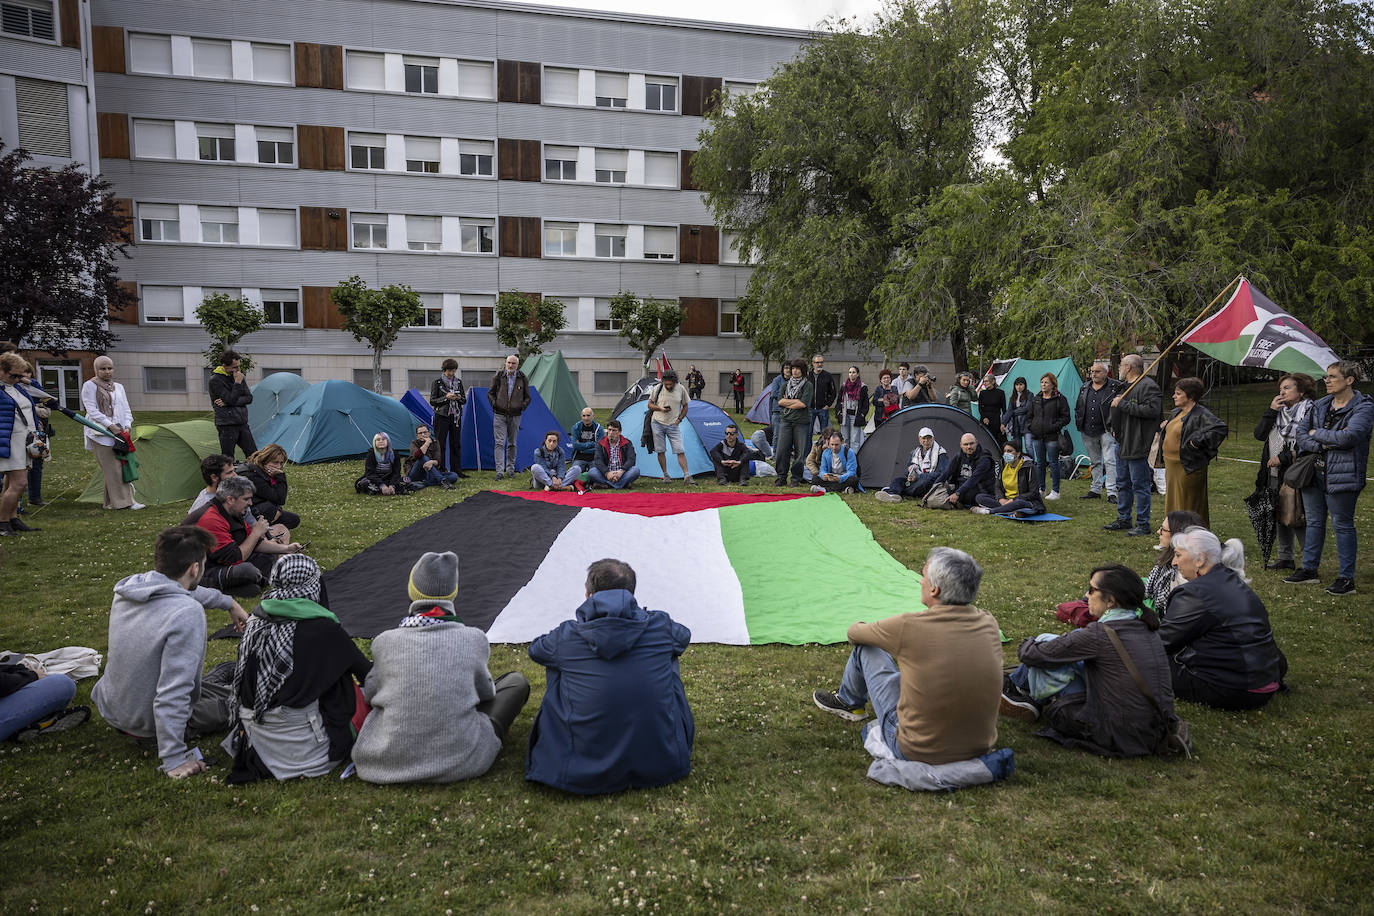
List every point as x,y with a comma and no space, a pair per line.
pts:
614,715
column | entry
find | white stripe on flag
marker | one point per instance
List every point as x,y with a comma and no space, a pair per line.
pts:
680,567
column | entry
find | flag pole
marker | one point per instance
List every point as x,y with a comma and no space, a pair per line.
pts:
1184,332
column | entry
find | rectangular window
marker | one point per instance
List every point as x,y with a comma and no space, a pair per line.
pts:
432,314
369,230
164,379
27,18
729,249
422,75
560,240
422,379
363,379
479,312
477,235
276,145
610,241
41,108
367,151
159,223
475,79
560,86
271,370
611,165
422,233
560,163
660,243
150,53
163,303
612,90
422,154
726,388
219,225
660,170
155,140
729,317
282,308
277,228
272,64
365,71
604,322
475,157
216,142
610,382
212,58
660,93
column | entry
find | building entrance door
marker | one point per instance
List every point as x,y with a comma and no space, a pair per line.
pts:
62,381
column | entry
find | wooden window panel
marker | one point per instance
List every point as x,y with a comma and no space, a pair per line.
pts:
128,313
532,236
507,81
331,67
309,74
107,49
518,160
70,23
113,131
321,148
323,230
528,77
685,179
699,244
124,208
699,318
318,309
700,94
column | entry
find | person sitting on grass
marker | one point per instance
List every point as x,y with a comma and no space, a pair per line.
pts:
731,457
152,687
382,470
213,469
1164,577
294,692
1080,683
547,469
933,677
264,469
584,436
614,714
33,703
927,464
970,474
424,467
437,715
241,556
1018,487
811,467
838,470
615,460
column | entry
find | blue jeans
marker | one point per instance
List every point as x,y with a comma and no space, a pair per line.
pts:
871,676
542,478
1047,453
914,490
853,432
35,701
820,418
792,437
1133,476
1043,684
630,476
1102,453
434,478
1316,502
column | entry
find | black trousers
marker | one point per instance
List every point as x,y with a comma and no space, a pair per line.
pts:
512,692
241,436
448,433
1188,686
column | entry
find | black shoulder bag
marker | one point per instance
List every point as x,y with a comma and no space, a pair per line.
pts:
1179,739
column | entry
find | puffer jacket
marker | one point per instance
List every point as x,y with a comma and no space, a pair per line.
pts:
1346,443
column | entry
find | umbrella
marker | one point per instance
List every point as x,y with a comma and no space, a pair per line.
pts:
1260,507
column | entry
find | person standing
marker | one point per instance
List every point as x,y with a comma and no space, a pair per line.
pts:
737,389
1090,417
1014,424
992,403
669,402
794,421
1339,433
1134,419
1049,413
920,391
17,422
447,397
822,394
105,403
1278,430
1190,438
230,397
961,395
886,399
851,408
509,395
696,382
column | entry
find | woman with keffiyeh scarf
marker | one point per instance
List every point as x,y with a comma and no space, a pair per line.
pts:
1278,430
851,409
382,470
294,693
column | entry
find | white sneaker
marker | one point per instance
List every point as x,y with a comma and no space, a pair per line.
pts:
980,510
1053,494
887,496
816,489
138,506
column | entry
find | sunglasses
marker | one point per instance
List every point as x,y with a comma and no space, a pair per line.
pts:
1094,589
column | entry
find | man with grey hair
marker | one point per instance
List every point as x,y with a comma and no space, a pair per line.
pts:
935,677
509,395
242,556
1091,416
1134,420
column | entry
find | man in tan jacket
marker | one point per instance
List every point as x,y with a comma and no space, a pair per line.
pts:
934,677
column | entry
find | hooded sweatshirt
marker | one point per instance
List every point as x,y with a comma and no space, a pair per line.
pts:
614,714
152,669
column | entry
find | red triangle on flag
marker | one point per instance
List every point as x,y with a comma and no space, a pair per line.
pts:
1229,323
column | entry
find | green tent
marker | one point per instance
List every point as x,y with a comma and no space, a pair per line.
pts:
548,373
1070,382
168,462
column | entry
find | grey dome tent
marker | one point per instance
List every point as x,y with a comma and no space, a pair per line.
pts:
639,391
885,452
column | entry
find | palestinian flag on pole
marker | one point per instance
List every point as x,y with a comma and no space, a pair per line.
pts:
734,568
1252,331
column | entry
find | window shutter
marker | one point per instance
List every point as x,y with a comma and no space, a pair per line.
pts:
272,63
211,58
660,169
113,131
277,227
150,53
560,86
41,107
475,79
699,317
364,71
163,303
155,140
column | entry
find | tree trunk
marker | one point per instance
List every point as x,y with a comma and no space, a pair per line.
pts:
958,344
377,370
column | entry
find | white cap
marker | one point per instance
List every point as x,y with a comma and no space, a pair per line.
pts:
927,431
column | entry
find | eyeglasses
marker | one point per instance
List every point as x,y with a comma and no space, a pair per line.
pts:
1094,588
1163,530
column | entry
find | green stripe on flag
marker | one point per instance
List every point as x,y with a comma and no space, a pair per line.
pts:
1230,352
808,568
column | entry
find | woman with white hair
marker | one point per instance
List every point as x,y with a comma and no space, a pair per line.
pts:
1221,647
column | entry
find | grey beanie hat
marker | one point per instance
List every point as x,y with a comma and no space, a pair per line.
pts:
434,577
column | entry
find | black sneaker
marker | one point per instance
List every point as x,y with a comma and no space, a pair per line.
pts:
18,525
830,701
1279,564
66,720
1139,531
1118,525
1111,498
1303,577
1341,587
1090,495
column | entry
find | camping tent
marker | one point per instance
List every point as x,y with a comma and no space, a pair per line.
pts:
636,392
885,452
479,441
270,397
1070,382
708,421
549,373
168,462
762,411
419,407
698,462
336,419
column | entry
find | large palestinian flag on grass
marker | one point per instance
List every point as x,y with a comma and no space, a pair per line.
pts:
734,568
1252,331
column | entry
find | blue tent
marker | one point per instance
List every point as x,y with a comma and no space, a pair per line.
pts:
709,421
698,462
336,419
762,411
270,397
419,407
479,442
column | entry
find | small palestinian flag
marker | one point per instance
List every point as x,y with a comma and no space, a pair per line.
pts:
1252,331
735,568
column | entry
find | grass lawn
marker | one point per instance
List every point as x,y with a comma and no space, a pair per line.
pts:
1275,813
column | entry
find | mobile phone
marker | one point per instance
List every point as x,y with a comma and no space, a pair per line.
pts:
304,544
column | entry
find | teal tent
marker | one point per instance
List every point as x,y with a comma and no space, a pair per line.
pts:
270,396
1070,382
549,373
336,419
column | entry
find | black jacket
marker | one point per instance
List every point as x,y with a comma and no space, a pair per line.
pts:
372,474
822,388
1219,630
1201,437
1047,416
1136,421
1109,393
1027,486
265,489
981,480
861,417
438,398
236,398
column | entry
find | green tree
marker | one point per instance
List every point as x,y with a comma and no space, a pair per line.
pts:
376,316
526,321
60,231
228,319
646,324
